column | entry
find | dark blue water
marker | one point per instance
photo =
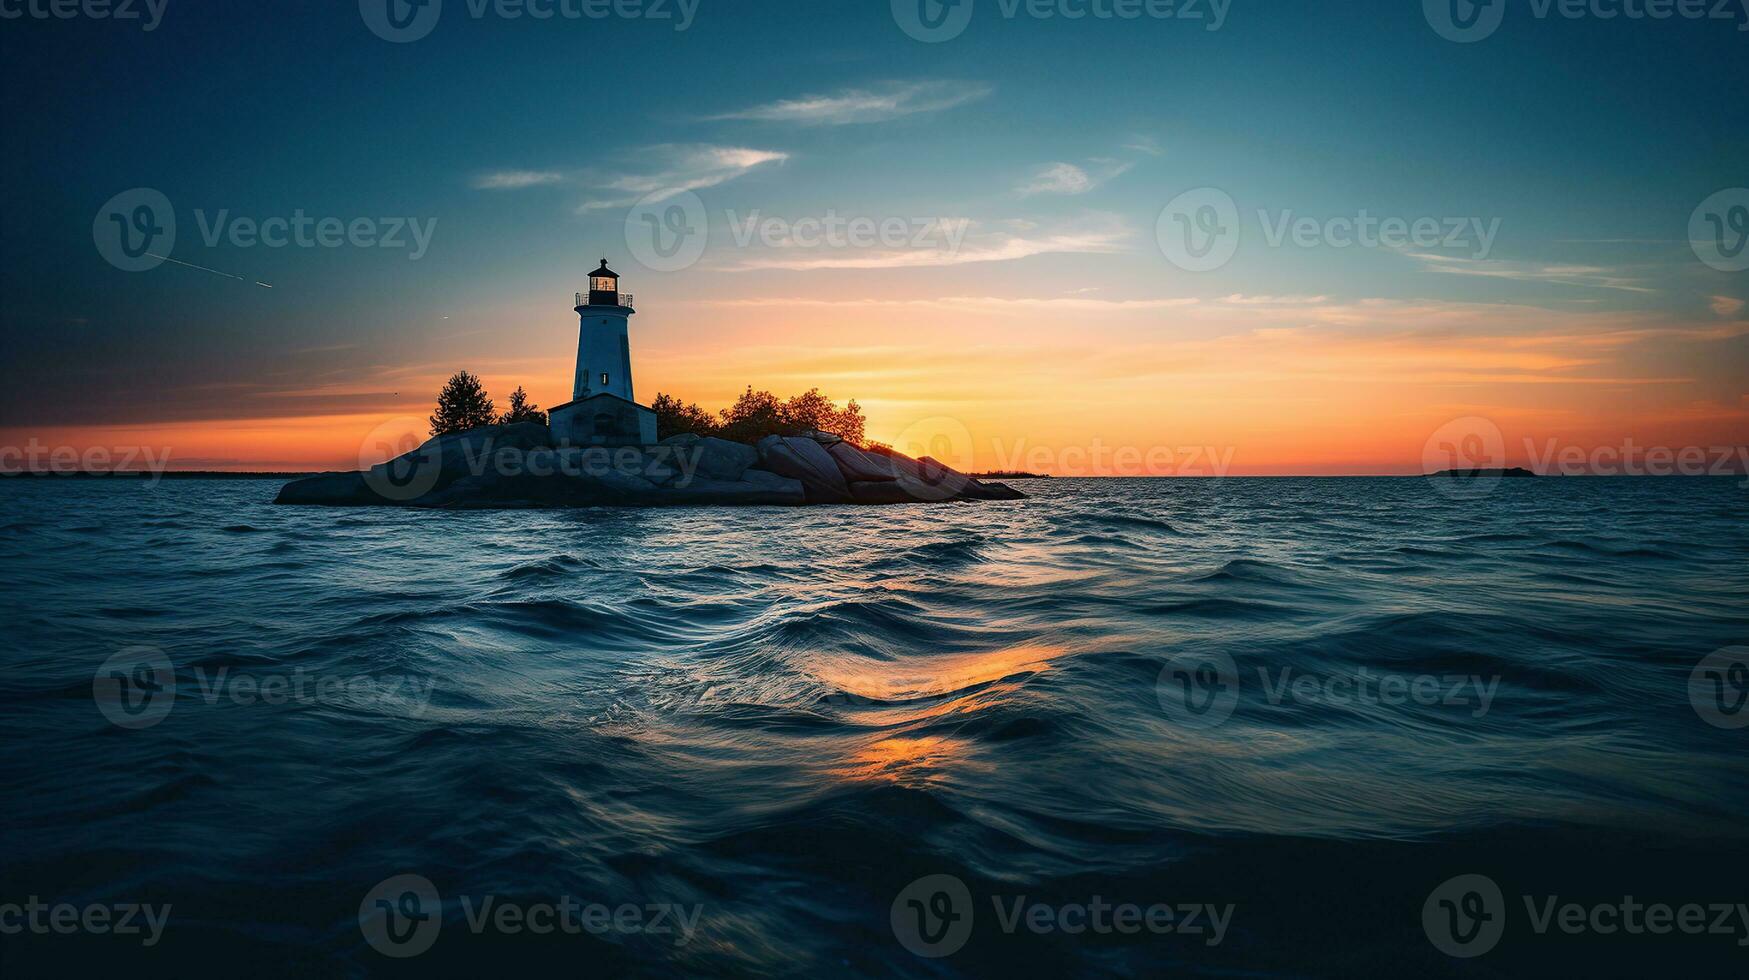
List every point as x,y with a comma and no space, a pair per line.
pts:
779,721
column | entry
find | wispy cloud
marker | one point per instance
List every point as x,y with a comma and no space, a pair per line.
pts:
866,105
1727,306
1070,179
1058,178
1098,234
509,180
1146,145
675,169
1592,276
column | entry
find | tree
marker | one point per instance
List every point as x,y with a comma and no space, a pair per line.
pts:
848,424
755,415
673,418
810,410
814,412
462,405
521,411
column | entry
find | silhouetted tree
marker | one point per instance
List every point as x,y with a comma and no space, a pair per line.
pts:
521,411
462,405
673,418
812,411
757,414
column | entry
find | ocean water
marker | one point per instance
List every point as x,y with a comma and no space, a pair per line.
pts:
924,740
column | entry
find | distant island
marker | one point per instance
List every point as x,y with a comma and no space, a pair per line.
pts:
1514,472
1011,475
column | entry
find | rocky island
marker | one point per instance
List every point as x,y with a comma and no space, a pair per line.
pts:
523,466
603,448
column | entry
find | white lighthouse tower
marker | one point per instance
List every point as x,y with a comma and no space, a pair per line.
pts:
603,410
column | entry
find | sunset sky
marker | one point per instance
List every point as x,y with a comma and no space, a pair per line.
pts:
1056,327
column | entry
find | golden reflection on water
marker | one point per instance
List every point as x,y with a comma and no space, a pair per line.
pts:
933,677
902,695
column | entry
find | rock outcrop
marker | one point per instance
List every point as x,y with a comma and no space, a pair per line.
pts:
510,466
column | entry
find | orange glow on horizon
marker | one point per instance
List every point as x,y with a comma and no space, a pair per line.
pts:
1219,387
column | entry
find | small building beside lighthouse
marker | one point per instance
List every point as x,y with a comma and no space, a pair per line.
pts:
602,410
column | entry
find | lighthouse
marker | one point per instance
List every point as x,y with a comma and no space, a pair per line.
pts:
602,410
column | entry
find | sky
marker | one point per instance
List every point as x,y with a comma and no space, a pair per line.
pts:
1020,239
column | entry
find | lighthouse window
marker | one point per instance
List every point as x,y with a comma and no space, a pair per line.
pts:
604,377
602,285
